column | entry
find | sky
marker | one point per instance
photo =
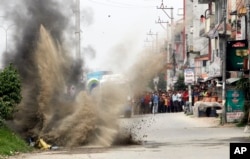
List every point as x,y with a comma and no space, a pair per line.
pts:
112,27
124,23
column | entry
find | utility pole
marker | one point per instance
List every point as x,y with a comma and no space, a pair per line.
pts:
156,40
174,62
171,17
166,28
6,35
77,29
248,36
224,119
189,84
149,41
248,40
159,21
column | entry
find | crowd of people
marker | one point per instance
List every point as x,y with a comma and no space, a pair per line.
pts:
162,102
172,101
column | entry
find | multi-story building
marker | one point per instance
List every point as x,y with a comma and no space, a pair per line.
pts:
197,48
200,38
224,20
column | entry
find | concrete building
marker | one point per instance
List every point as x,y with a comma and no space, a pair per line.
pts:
205,35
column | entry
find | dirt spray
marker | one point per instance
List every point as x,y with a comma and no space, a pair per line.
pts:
47,110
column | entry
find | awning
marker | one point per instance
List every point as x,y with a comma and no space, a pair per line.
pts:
213,77
205,79
232,80
202,57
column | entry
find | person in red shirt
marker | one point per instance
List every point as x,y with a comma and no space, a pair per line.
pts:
185,98
147,100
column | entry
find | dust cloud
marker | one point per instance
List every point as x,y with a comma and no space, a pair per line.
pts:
56,116
48,110
83,119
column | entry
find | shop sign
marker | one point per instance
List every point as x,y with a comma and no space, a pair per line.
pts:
234,105
189,76
236,52
234,116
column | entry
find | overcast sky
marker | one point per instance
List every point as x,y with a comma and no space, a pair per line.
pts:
112,26
123,23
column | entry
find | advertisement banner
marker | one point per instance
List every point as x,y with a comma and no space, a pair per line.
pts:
236,52
234,104
189,76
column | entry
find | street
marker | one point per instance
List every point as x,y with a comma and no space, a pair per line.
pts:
162,136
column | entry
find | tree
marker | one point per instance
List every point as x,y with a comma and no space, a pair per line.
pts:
180,85
162,81
10,92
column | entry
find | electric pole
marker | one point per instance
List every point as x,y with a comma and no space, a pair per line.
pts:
248,35
171,46
77,30
156,40
224,65
159,21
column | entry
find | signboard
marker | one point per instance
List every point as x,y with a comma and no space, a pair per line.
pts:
234,105
234,116
237,51
189,76
238,36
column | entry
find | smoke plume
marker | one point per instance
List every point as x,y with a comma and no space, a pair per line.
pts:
49,110
47,70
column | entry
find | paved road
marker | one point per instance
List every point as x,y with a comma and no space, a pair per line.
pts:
163,136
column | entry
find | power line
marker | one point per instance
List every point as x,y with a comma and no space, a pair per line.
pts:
111,3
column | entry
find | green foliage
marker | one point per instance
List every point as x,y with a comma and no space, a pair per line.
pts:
10,91
180,85
162,81
10,143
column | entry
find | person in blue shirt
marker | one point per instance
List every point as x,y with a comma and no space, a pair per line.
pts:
155,102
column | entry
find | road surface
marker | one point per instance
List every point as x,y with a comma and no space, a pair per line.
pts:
162,136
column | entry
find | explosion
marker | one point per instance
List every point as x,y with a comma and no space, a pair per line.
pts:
46,68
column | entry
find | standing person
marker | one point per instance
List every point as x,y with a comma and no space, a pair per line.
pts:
147,102
166,104
142,105
162,103
185,98
179,99
175,101
155,103
171,107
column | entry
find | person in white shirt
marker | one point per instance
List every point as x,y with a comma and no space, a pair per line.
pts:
175,101
179,98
